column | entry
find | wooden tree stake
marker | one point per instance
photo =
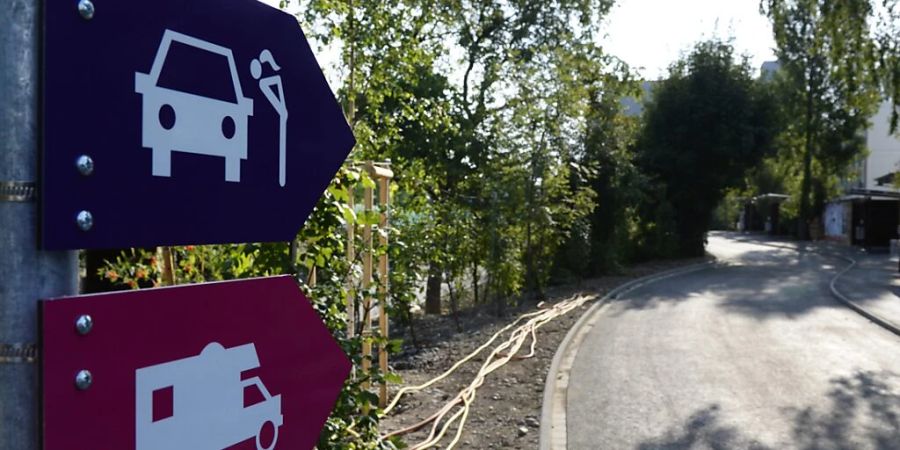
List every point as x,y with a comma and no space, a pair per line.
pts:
384,198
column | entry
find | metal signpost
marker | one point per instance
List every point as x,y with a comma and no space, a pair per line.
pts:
26,273
243,363
182,122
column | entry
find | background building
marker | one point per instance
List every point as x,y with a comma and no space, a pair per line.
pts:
869,212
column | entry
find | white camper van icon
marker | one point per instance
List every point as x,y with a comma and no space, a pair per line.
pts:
200,402
176,120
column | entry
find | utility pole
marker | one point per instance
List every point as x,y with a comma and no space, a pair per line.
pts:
26,274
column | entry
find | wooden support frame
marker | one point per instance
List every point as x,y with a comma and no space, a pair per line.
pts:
384,198
366,285
382,175
351,257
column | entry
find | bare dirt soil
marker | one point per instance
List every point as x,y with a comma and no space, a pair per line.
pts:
507,408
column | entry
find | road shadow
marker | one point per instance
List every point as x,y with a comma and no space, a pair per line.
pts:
703,429
862,412
774,294
765,284
761,292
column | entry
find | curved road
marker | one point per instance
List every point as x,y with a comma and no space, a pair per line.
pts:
753,353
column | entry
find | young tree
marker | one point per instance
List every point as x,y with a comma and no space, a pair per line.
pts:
706,125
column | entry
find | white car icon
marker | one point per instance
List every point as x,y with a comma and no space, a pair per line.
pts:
174,120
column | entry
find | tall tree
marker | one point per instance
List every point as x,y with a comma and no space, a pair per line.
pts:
608,155
887,37
706,125
500,40
830,84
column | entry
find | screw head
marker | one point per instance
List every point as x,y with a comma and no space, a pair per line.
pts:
86,9
84,324
85,220
83,379
85,165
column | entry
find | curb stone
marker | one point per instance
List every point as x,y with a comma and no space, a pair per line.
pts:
878,320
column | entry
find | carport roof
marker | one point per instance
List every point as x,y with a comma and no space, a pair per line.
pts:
885,179
869,194
771,196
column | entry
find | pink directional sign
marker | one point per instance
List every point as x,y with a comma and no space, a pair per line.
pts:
239,365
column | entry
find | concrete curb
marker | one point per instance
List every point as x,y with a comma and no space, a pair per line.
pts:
553,409
837,294
878,320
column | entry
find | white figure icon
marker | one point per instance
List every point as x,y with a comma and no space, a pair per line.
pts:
199,403
175,120
272,88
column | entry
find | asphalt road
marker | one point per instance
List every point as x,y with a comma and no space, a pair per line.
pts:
752,353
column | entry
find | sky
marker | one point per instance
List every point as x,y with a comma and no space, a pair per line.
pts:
651,34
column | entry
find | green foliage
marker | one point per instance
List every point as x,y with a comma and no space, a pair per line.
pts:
832,72
611,172
137,268
887,63
707,124
513,164
484,166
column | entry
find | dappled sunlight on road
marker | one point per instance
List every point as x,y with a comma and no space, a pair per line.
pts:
771,282
769,293
861,411
705,429
864,413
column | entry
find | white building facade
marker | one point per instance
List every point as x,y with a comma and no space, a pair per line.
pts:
869,212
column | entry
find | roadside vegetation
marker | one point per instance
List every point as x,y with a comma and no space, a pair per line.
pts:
839,62
516,167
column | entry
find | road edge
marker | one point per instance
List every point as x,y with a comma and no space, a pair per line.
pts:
553,405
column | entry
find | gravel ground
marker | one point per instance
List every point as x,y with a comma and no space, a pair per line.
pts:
507,408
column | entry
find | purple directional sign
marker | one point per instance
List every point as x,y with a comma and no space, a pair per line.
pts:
182,122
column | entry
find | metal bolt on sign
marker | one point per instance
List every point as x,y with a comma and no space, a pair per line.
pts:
86,9
85,165
83,379
84,324
85,220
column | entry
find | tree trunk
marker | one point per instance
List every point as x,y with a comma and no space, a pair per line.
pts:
499,303
168,266
806,185
531,282
433,290
805,219
475,281
454,303
408,318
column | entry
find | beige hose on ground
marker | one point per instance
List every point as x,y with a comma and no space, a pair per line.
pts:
502,354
